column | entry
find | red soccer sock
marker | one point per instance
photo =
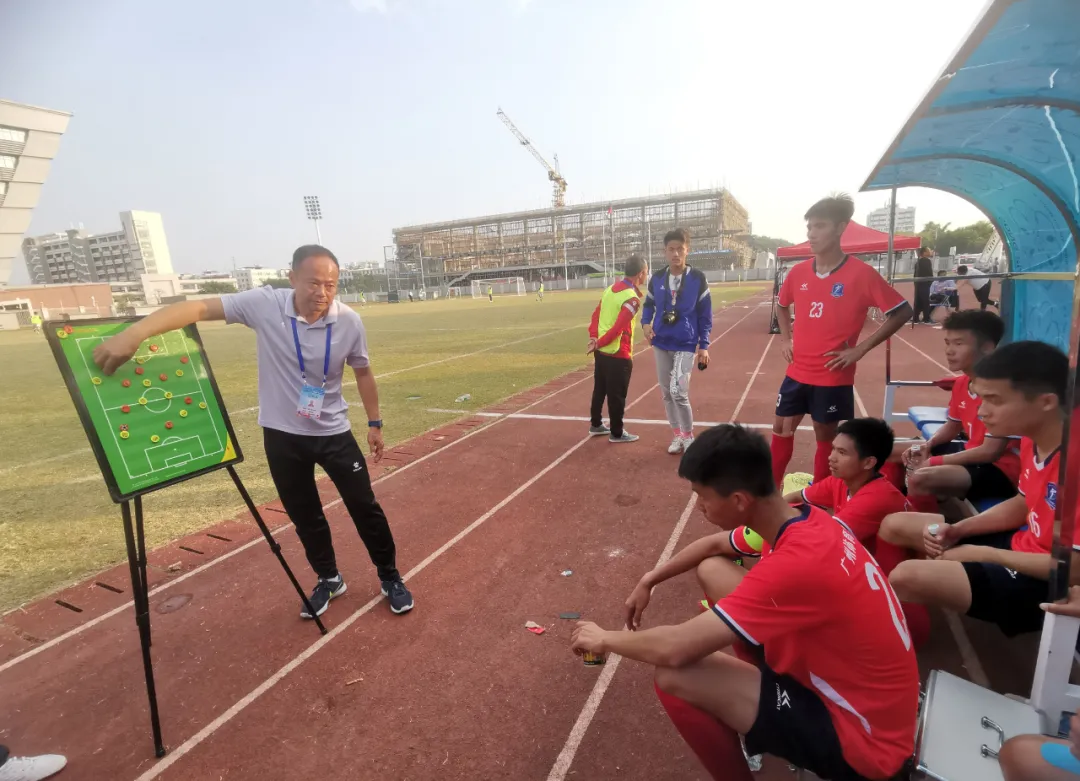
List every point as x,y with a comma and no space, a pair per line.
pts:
821,461
894,473
923,503
716,745
782,448
918,621
889,555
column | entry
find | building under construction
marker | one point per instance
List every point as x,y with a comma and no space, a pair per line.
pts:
575,240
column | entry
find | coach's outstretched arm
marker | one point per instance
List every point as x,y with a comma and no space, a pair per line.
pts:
113,353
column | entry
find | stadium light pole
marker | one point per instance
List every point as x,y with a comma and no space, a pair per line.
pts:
314,212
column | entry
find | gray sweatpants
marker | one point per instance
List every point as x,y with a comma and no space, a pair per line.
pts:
673,371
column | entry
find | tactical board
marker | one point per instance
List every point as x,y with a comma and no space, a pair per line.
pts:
159,419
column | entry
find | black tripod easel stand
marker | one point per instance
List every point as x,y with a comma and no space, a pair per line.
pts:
136,550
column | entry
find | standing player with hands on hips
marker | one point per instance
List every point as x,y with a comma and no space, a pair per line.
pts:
832,294
305,340
677,321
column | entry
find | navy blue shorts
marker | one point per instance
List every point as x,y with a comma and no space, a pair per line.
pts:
1002,596
823,403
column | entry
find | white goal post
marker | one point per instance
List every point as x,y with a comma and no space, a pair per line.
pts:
502,286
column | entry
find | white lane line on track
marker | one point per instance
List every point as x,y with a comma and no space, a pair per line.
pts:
577,733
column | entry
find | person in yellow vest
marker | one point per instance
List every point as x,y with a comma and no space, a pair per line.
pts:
540,291
35,320
611,339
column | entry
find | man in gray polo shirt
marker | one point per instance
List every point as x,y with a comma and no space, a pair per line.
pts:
305,340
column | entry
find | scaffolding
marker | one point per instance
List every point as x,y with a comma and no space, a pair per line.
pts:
591,238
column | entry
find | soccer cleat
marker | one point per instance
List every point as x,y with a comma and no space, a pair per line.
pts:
626,437
325,590
32,768
400,599
599,431
676,445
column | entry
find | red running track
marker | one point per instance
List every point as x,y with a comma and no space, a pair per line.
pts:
487,513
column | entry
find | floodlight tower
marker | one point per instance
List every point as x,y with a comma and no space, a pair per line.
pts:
314,212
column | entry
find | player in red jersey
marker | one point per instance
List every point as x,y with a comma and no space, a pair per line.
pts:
855,492
833,686
995,566
987,467
832,294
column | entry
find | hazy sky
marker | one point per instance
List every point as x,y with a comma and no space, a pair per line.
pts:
222,115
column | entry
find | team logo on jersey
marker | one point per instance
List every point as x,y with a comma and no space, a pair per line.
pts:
1051,495
837,290
803,286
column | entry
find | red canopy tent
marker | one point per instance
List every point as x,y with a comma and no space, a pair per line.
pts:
857,240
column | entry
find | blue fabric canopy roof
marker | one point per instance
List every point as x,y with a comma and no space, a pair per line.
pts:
1001,128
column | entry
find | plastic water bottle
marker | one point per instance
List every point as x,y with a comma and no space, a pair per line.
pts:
916,451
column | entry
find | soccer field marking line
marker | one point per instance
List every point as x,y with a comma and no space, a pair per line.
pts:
204,394
101,404
585,419
285,526
224,718
565,760
750,384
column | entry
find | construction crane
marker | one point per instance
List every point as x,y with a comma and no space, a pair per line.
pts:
558,196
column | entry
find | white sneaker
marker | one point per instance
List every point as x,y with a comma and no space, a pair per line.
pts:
676,445
31,768
687,442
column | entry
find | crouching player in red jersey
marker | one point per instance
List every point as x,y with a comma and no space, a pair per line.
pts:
988,467
832,294
995,566
826,675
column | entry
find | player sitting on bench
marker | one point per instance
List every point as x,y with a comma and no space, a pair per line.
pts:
988,468
995,566
825,676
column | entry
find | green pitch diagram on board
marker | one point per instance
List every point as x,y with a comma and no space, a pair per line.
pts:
158,419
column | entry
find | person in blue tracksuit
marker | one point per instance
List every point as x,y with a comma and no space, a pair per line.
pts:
677,321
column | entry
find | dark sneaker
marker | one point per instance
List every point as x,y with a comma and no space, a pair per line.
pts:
626,437
325,590
398,596
599,431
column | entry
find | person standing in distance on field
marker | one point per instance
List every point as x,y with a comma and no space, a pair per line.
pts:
677,321
611,338
305,340
832,293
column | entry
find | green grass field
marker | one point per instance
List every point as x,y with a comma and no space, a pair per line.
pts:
59,524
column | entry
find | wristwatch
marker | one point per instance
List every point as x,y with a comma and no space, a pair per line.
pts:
374,424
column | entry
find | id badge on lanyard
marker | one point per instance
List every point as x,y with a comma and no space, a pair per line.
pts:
311,399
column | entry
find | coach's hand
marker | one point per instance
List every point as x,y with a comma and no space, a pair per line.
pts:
375,443
588,637
702,356
848,356
648,331
113,353
636,604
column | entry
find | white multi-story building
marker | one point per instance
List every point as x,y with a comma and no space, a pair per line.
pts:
29,140
256,276
878,219
140,247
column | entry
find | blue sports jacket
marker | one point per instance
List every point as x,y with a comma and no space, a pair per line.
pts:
693,305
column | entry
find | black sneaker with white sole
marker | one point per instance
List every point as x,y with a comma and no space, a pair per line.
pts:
325,590
398,596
